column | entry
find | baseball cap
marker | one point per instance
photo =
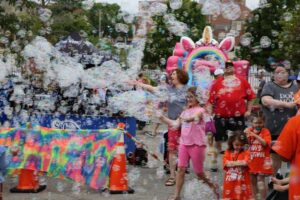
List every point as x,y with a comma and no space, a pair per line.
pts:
218,72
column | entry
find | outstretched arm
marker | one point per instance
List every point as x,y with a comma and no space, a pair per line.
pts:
147,87
172,123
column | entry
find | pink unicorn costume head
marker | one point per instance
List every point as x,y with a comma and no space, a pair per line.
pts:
204,55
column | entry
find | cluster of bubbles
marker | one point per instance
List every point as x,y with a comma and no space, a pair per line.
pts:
61,85
174,26
123,28
127,17
175,4
157,8
229,10
196,189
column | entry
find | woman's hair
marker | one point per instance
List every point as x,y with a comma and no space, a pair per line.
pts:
257,114
182,76
239,136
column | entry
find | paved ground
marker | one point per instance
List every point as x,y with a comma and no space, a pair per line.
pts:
148,183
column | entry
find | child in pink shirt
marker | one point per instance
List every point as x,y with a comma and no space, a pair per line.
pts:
192,140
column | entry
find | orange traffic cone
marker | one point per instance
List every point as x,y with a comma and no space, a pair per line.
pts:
28,183
118,183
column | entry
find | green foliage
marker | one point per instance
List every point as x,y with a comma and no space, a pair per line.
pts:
30,22
65,23
160,41
108,16
266,21
59,7
290,37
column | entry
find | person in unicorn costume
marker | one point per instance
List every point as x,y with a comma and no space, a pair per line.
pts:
200,59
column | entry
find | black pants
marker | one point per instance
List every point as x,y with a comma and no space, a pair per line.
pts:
224,124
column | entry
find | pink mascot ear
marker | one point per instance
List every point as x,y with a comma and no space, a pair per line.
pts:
241,68
187,43
227,44
172,63
178,51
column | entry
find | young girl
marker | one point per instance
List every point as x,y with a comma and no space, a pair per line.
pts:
236,166
259,145
192,140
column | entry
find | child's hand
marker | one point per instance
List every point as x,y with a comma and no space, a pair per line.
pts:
183,119
159,114
248,132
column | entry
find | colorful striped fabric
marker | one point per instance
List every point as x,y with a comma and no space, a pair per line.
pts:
83,156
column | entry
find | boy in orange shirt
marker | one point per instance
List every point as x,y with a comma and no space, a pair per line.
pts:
288,147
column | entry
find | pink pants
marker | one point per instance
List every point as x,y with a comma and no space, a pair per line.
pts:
194,152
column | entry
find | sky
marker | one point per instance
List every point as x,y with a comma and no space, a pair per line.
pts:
131,6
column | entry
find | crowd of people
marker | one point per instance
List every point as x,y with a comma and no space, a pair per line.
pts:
257,139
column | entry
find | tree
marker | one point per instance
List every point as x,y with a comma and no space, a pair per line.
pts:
65,23
64,6
107,16
161,41
290,36
263,29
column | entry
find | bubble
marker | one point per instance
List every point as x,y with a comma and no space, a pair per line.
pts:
87,4
60,186
274,33
287,16
267,163
246,39
238,189
157,8
212,7
42,180
76,188
121,28
260,185
237,114
175,4
231,11
4,40
265,42
160,173
128,18
21,33
44,14
195,189
7,33
162,61
133,176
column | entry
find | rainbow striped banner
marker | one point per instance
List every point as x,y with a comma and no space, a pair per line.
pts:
84,156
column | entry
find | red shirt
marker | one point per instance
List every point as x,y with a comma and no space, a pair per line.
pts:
228,96
288,146
260,161
237,183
